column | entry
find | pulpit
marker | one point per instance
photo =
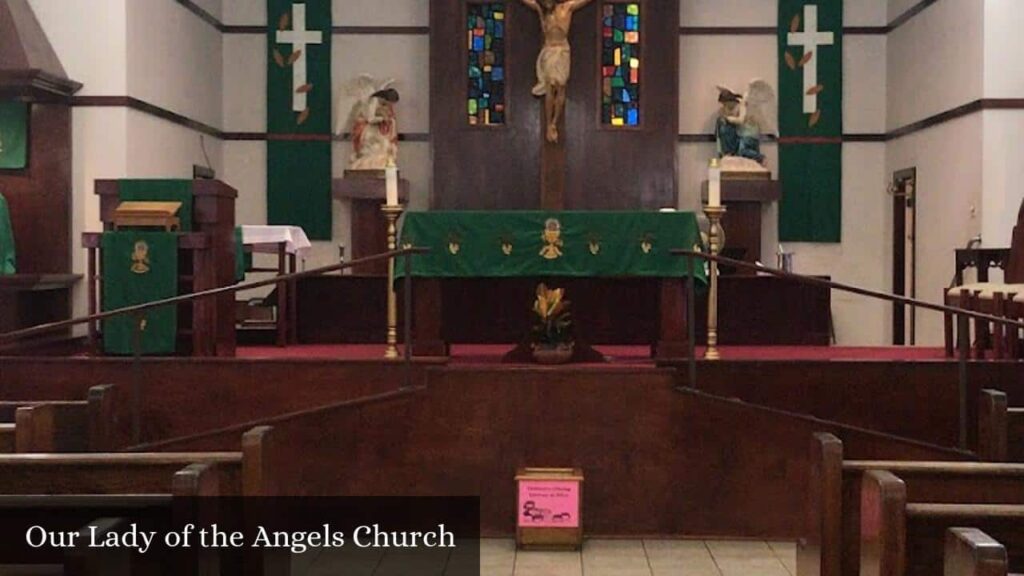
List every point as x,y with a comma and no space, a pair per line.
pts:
745,198
364,189
206,248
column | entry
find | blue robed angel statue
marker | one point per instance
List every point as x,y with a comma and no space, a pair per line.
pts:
742,118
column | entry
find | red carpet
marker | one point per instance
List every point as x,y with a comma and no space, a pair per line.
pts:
637,355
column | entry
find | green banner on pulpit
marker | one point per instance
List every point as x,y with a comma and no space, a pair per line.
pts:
472,244
7,260
140,267
810,120
299,115
13,135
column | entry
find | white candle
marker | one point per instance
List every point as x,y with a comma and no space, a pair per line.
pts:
391,183
715,184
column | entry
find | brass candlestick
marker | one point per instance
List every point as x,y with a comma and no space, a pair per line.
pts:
714,214
392,213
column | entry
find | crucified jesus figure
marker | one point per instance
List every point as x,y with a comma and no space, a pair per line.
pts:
553,63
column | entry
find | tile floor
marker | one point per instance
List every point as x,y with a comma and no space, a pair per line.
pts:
598,558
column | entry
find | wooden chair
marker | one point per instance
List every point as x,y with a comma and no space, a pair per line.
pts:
1005,299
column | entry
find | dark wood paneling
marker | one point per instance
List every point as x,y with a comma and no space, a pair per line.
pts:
40,196
172,389
884,396
483,167
499,167
656,461
754,310
625,169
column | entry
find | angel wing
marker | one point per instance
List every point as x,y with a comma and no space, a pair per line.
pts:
762,105
359,91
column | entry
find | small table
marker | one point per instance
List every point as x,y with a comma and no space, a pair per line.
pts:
288,242
467,246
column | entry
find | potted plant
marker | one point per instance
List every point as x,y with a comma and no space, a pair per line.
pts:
552,341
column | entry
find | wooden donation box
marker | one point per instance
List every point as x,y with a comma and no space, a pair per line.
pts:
164,238
744,194
549,508
365,189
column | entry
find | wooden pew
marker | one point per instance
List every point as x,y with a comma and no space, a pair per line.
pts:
971,552
52,427
60,426
68,511
902,537
831,545
1000,428
143,473
7,442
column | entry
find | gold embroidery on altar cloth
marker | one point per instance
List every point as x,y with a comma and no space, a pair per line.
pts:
140,258
552,237
647,243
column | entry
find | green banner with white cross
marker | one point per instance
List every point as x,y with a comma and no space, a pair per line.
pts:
299,115
810,120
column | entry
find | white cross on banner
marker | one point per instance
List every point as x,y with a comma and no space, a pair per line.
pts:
811,38
299,38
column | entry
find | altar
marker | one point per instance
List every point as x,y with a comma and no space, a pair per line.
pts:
593,254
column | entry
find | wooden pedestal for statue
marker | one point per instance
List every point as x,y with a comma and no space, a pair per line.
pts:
745,199
365,190
208,258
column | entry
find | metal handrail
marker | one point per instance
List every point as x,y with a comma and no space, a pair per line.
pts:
962,316
896,299
137,308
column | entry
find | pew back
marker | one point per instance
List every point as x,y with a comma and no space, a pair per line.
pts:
971,552
831,545
110,473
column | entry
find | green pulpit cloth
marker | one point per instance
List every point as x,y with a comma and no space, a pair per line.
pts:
469,244
13,135
140,267
6,240
160,191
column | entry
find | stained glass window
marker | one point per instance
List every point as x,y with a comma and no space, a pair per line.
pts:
620,64
485,28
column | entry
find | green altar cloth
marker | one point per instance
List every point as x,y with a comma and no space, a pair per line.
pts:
472,244
6,240
140,267
160,191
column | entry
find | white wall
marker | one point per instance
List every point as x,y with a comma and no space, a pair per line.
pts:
154,50
403,57
1003,149
708,60
952,53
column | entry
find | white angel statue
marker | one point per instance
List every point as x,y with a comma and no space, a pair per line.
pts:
743,118
371,122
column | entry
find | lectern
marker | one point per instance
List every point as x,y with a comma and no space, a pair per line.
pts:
207,247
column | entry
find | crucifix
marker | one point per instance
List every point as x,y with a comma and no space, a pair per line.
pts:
299,38
811,38
553,67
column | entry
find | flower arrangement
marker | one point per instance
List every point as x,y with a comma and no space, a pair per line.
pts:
552,329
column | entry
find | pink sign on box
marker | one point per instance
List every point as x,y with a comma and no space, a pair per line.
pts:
549,504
